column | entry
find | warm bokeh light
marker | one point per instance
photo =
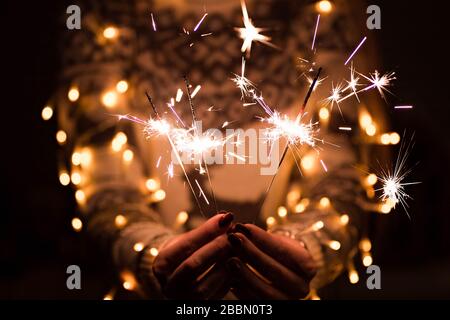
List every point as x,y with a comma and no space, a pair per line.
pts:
73,94
80,197
64,178
128,155
122,86
371,179
365,245
371,130
110,32
308,162
394,138
154,252
324,114
335,245
77,225
47,113
318,225
76,158
182,217
385,138
324,6
152,184
109,99
324,202
344,219
159,195
138,247
270,221
76,178
282,212
61,137
367,259
120,221
353,276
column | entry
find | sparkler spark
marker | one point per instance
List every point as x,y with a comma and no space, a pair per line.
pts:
153,22
250,33
315,32
200,22
354,51
393,185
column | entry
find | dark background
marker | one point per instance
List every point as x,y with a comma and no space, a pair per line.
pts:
37,242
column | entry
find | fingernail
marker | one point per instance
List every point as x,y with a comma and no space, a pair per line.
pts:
234,240
226,220
239,227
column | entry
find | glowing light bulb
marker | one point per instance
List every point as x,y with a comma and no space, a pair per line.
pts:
61,137
324,202
120,221
371,179
282,212
344,219
73,94
47,113
109,99
270,221
182,217
80,196
335,245
154,252
128,155
138,247
324,6
353,276
152,185
122,86
77,225
110,32
324,114
64,178
76,178
159,195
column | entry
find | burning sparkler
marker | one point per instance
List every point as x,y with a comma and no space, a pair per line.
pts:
250,33
393,185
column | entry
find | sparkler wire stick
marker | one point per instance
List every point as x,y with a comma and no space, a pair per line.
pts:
288,145
174,148
194,119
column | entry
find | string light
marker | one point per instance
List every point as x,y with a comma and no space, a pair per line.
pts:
73,94
110,32
154,252
371,179
367,259
282,212
138,247
318,225
159,195
182,217
128,155
80,197
335,245
324,113
86,157
122,86
270,221
76,158
109,99
129,281
76,178
324,6
77,225
394,138
344,219
152,185
371,130
61,137
47,113
64,178
324,202
353,276
120,221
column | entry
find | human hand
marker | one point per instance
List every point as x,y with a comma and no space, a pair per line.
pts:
268,266
192,265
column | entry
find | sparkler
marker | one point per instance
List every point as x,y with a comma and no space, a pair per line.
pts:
393,185
356,50
250,33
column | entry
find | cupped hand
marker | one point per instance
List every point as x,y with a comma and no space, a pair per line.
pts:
192,265
268,266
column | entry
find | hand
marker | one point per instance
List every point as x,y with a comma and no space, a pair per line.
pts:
192,265
268,266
